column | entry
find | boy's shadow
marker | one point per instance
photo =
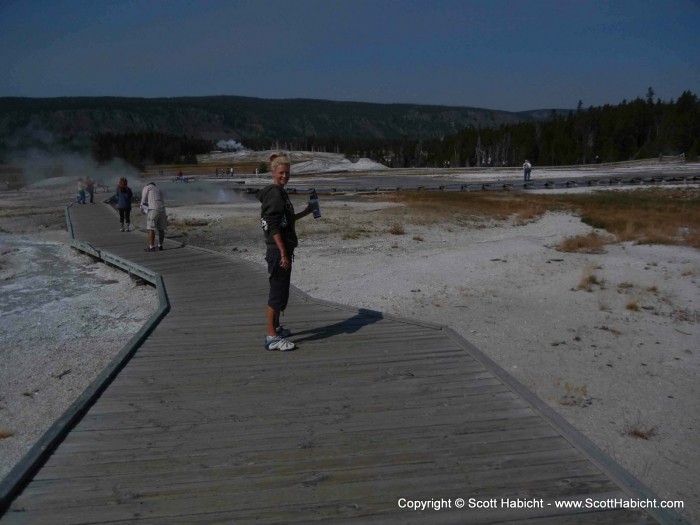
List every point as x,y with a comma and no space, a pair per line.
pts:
362,318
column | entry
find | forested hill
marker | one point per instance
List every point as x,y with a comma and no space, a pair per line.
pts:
73,121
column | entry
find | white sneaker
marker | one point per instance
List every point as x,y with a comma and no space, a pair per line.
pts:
278,343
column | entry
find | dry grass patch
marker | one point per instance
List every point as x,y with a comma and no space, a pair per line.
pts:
589,279
590,243
239,222
186,225
685,316
640,431
396,229
196,222
429,207
633,305
356,233
614,331
10,212
658,215
574,396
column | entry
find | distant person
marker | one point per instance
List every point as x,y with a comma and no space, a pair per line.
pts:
527,169
124,196
90,188
277,219
156,218
81,191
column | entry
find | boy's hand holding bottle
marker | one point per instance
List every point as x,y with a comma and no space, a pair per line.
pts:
313,201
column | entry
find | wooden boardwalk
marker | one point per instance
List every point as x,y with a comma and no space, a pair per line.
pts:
372,413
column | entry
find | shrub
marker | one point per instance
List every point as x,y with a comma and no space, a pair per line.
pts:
396,229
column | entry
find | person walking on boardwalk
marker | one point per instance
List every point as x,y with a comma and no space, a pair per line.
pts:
90,188
156,218
81,191
277,219
527,168
124,196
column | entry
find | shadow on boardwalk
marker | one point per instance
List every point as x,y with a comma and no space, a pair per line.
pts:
362,319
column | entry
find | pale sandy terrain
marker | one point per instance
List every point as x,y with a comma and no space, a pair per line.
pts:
609,370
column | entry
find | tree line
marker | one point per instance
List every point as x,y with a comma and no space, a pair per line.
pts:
632,130
641,128
141,148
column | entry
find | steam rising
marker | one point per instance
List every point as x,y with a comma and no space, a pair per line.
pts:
199,192
230,145
42,168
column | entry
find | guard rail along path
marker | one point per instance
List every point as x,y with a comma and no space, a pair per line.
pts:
374,419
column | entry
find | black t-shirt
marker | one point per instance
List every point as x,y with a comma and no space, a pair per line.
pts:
277,215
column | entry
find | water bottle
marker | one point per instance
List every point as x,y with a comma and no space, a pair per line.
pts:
313,200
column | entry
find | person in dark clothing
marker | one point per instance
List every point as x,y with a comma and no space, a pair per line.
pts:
81,191
277,219
124,196
90,188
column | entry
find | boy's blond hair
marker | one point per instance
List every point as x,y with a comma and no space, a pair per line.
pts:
277,159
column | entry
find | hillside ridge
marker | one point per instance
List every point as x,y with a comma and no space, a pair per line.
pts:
27,122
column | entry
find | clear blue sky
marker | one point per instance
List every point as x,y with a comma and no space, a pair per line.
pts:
500,54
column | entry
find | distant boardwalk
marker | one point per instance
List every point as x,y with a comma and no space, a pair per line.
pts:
374,419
